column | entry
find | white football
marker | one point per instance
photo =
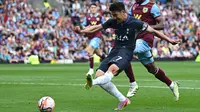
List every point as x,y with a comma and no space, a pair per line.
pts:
46,104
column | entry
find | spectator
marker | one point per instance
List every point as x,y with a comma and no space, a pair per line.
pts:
24,29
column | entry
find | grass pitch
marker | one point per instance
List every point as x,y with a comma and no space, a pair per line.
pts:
21,86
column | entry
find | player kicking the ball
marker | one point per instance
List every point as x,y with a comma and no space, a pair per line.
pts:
126,29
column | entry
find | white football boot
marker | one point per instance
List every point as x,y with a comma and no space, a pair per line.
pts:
175,90
90,72
132,90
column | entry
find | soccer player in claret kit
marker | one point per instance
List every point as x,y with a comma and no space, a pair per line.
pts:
126,29
95,38
147,11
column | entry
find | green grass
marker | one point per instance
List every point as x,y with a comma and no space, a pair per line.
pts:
21,86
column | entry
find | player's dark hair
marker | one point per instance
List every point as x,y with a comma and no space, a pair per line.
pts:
117,6
93,4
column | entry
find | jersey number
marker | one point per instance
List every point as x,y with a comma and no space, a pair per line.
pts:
118,58
137,16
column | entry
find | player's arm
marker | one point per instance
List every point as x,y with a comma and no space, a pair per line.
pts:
155,11
92,29
161,35
160,23
141,27
95,28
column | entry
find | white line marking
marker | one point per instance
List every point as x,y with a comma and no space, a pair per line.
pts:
148,80
70,84
25,78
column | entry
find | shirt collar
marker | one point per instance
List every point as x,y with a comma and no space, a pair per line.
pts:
127,19
94,15
145,2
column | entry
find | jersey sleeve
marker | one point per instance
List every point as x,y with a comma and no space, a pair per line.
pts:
102,19
141,26
155,11
108,24
84,21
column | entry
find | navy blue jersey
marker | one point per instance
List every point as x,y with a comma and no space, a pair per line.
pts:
126,32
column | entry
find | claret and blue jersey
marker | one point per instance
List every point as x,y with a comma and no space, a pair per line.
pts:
94,38
146,12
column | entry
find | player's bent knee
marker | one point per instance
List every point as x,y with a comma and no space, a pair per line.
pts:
114,69
151,71
90,50
90,53
99,73
151,68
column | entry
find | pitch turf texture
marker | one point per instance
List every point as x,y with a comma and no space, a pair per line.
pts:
21,86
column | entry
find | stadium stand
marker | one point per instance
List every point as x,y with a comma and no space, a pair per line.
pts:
48,33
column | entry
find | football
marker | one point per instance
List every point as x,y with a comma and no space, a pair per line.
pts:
46,104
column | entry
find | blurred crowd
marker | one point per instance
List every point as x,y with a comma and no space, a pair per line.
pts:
180,22
25,30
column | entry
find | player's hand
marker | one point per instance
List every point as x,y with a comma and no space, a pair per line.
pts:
77,29
174,41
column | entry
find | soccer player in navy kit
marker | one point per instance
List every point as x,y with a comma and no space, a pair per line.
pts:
126,29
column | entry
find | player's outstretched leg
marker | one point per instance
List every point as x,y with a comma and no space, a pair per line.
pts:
133,85
112,89
160,75
174,86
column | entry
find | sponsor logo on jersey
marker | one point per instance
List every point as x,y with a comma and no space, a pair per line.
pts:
137,16
122,37
93,22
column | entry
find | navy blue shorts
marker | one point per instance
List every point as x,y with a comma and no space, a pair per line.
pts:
120,57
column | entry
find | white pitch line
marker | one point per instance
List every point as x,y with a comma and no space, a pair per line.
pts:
147,80
70,84
2,79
